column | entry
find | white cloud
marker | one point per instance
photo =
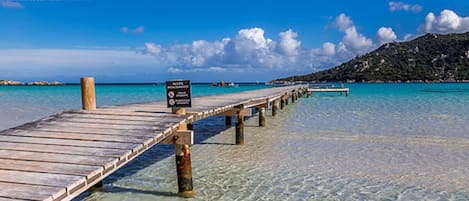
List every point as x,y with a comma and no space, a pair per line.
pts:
386,35
356,42
353,42
328,49
139,29
343,22
10,4
447,22
250,50
288,43
398,6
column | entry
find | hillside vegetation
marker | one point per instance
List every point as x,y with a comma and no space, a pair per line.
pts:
431,57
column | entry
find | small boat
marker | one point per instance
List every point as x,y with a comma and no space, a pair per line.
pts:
231,84
223,84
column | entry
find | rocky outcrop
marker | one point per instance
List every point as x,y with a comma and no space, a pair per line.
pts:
10,82
45,83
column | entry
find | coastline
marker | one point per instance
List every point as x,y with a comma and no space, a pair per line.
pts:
34,83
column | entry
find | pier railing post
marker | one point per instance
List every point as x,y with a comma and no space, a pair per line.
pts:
262,116
88,95
239,128
183,162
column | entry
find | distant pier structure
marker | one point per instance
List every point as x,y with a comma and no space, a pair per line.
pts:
327,88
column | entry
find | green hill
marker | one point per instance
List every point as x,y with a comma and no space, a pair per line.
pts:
431,57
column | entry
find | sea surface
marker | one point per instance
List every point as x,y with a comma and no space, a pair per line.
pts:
382,142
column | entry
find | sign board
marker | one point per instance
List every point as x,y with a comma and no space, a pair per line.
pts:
178,93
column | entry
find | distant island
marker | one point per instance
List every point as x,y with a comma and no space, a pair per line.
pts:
429,58
35,83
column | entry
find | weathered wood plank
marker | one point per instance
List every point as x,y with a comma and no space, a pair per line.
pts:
49,167
43,179
117,117
30,192
79,143
117,120
11,199
136,139
61,149
56,158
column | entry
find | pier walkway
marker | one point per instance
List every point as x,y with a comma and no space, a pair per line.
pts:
327,88
61,156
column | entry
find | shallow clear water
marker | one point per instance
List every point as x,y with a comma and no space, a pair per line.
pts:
383,142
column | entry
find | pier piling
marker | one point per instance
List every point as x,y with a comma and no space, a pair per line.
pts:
88,95
183,161
274,107
239,128
262,117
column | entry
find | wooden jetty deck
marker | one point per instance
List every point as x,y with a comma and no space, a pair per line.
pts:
327,88
61,156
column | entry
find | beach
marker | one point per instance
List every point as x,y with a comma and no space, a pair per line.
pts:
382,142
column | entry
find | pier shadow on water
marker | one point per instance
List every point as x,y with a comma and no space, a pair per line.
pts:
203,129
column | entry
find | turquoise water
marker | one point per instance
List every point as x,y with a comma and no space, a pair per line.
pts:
382,142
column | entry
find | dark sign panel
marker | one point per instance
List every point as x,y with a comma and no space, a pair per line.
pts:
178,93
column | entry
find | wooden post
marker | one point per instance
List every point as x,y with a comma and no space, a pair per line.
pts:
293,97
228,120
88,96
262,117
346,93
274,107
308,94
239,128
282,103
183,162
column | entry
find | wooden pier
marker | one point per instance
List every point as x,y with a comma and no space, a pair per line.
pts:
61,156
327,88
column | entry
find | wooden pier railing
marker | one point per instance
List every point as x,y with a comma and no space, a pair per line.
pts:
61,156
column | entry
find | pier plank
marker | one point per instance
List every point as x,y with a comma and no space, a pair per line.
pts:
68,182
30,192
78,136
49,167
57,158
62,149
65,142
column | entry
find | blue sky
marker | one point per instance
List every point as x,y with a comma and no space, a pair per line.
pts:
243,40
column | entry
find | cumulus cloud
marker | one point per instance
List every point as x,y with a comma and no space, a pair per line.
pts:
447,22
401,6
386,35
328,49
352,42
10,4
250,50
343,22
288,43
139,29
